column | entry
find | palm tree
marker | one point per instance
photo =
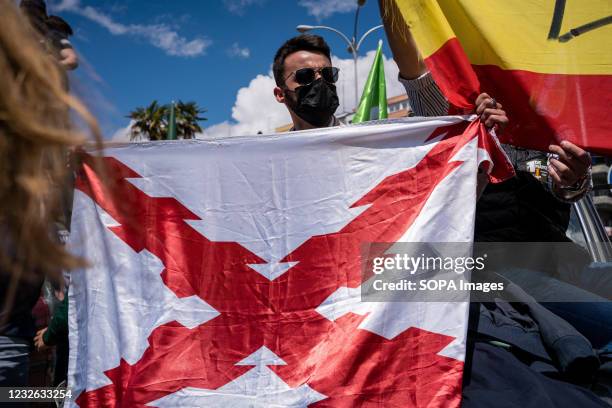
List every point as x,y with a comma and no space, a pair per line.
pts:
149,121
152,121
187,118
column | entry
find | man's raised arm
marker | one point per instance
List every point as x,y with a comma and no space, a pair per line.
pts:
405,51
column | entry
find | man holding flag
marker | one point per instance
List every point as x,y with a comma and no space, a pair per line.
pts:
532,207
569,169
305,83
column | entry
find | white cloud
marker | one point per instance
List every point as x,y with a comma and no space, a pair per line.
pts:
236,51
256,109
66,5
321,9
346,82
239,6
122,134
159,35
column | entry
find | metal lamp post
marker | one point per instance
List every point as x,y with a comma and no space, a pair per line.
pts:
353,44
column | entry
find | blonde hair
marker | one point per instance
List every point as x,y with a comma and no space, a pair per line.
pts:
36,133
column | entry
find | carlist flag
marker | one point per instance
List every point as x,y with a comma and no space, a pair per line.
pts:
227,272
549,63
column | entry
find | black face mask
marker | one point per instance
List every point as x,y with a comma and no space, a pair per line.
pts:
315,103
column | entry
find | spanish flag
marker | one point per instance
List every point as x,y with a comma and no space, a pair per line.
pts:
548,62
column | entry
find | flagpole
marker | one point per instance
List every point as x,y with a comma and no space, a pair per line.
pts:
172,123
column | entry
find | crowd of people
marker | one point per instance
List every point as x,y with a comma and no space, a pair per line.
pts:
513,346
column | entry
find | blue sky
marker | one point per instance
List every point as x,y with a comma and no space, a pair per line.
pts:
215,52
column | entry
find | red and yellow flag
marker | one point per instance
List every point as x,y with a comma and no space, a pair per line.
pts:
548,62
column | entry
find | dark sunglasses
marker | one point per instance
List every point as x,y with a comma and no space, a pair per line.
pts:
306,76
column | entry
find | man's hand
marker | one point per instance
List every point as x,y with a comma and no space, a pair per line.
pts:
490,112
69,59
571,167
39,343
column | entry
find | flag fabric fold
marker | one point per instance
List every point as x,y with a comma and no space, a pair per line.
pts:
548,62
229,273
374,91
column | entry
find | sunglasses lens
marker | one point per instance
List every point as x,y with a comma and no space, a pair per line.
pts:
330,74
304,76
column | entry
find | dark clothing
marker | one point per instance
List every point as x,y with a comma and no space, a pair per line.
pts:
14,361
18,321
61,362
57,335
498,378
520,210
531,329
591,317
57,331
518,352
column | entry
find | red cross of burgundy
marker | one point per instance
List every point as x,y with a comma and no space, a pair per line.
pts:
348,365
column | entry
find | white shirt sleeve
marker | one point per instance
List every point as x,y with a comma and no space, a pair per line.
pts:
424,96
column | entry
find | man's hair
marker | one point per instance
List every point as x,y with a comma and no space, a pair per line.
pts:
35,6
60,25
304,42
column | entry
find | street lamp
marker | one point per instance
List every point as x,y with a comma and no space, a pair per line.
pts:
353,44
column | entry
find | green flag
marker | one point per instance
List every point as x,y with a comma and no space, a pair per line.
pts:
374,91
172,123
